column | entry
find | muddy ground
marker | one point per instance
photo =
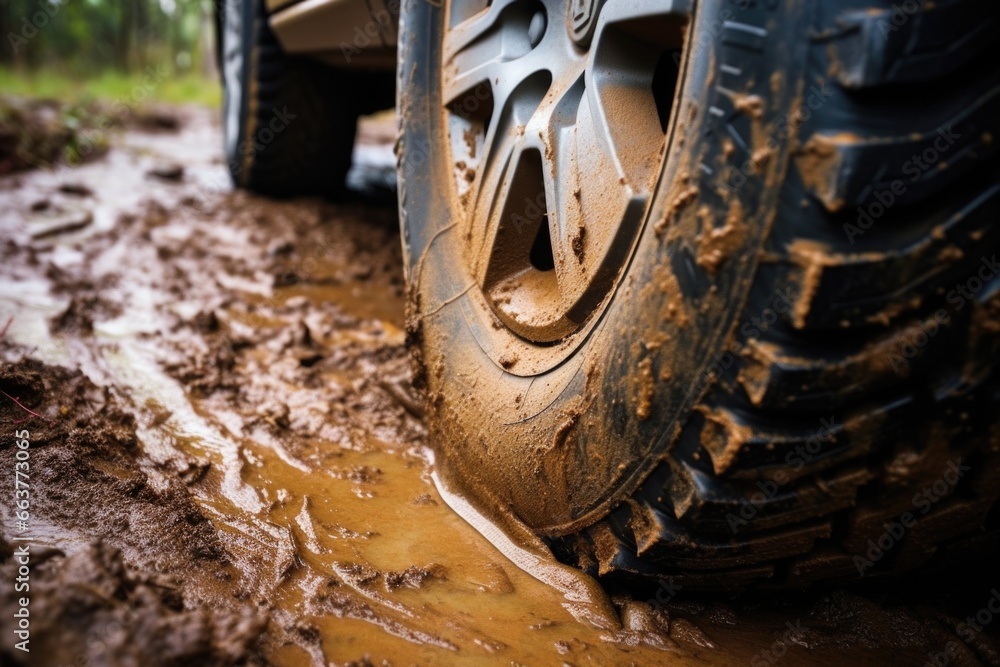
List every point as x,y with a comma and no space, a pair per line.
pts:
226,463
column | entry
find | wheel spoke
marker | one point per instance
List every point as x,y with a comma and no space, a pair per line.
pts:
493,188
534,116
556,133
474,49
553,131
468,70
587,190
631,40
463,35
517,95
521,268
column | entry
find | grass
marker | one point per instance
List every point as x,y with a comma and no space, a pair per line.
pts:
112,86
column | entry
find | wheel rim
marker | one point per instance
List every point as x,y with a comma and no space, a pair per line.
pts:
557,114
232,72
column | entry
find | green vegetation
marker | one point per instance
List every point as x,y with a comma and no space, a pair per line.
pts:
118,50
112,86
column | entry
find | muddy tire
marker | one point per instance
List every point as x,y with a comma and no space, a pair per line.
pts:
288,122
781,365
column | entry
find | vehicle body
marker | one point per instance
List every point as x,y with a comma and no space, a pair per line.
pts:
348,33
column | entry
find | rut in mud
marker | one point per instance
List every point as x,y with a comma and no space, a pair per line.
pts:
229,465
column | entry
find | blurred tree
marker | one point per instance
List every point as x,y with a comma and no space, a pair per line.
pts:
89,36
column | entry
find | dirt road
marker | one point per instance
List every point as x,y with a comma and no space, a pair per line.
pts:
226,464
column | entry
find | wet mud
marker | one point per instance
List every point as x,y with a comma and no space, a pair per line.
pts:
228,463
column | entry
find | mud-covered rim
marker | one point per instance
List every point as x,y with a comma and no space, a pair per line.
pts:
561,433
557,114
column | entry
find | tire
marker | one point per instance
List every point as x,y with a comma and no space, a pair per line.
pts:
288,122
789,372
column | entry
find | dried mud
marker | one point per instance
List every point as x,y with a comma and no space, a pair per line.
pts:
229,465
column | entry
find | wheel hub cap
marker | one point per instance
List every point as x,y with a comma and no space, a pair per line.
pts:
555,147
582,19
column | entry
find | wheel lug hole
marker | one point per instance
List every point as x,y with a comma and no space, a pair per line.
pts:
536,28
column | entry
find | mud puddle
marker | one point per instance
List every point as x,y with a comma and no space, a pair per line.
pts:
231,467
